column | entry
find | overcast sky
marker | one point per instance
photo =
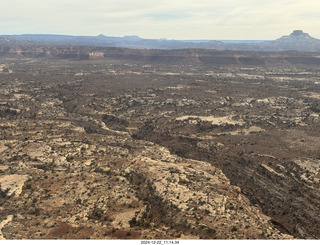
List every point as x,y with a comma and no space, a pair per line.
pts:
172,19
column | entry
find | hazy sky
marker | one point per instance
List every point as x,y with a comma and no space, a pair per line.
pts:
172,19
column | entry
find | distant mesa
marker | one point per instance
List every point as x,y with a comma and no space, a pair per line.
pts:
101,36
298,33
133,37
297,40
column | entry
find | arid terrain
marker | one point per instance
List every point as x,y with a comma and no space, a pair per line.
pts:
191,144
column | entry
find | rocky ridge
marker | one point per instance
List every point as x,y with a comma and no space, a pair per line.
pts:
58,184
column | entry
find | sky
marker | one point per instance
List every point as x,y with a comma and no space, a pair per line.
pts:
171,19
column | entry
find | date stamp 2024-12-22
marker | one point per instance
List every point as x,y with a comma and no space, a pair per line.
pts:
160,242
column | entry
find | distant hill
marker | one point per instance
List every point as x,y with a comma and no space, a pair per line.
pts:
297,40
296,48
105,41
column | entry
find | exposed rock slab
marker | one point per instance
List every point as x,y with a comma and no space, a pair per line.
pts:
12,184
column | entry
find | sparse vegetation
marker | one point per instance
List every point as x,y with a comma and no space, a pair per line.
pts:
106,147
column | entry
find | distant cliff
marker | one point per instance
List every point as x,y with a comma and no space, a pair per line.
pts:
297,40
25,49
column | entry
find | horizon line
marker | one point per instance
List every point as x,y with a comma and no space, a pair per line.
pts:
137,36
